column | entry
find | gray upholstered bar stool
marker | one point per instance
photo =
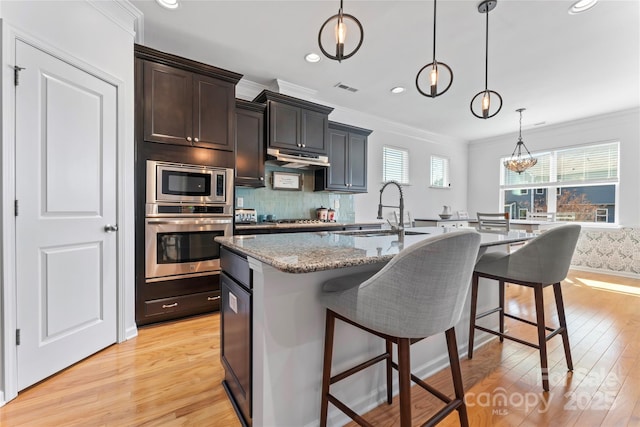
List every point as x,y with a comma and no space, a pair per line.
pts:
542,262
419,293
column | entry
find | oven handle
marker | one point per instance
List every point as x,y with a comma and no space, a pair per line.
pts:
191,221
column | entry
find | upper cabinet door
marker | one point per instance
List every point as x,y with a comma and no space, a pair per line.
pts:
284,126
314,131
357,161
249,145
337,174
213,113
167,105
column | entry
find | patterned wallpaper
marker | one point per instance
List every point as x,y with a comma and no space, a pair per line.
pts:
614,250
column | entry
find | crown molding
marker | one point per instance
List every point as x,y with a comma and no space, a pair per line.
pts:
123,14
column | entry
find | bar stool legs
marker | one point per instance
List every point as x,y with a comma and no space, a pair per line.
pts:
405,376
542,336
557,291
540,324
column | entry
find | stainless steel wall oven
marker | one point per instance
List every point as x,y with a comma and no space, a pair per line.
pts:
187,207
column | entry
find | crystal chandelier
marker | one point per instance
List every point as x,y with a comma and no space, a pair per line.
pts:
517,163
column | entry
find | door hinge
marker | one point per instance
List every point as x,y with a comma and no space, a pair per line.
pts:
16,74
15,208
17,336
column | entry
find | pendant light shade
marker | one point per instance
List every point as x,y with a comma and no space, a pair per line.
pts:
517,162
435,70
337,28
487,100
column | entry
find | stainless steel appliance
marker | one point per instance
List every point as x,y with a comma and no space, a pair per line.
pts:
188,184
183,247
246,216
187,207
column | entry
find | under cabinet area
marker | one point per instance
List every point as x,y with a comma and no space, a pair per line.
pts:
250,150
295,124
348,160
185,107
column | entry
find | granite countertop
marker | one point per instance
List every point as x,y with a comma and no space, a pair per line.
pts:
263,225
326,250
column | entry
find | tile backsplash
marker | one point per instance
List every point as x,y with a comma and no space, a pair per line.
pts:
285,204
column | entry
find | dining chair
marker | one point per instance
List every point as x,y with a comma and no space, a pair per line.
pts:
544,261
493,221
419,293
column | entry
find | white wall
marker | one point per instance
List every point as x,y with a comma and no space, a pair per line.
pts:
99,35
420,200
624,126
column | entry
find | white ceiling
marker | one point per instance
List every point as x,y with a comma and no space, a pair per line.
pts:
558,66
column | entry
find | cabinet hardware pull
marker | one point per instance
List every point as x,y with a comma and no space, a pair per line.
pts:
304,145
175,304
196,140
189,138
262,178
213,298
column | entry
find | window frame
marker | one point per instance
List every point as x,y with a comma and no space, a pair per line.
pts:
446,179
404,167
554,186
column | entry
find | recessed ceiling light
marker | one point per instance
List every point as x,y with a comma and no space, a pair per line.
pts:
397,89
312,57
168,4
582,6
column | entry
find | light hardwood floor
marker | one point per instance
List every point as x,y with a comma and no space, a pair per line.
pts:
170,374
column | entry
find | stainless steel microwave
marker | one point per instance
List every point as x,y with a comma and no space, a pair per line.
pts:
188,184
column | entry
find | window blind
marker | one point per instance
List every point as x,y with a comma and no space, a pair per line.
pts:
596,163
395,165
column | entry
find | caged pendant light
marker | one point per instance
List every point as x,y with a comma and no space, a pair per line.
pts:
517,163
435,69
340,32
485,7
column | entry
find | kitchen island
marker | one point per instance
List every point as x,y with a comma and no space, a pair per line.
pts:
273,325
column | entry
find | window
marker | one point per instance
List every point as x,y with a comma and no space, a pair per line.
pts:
440,172
578,184
395,165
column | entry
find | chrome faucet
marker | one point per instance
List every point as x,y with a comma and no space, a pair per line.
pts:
400,227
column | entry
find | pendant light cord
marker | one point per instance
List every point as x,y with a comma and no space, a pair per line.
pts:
434,31
486,53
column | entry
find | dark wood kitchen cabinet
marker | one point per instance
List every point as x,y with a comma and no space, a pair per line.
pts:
186,102
295,124
236,334
175,99
348,159
249,144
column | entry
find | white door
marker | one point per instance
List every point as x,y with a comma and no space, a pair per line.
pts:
66,191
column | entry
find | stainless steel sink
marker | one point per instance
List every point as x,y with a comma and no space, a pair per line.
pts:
373,233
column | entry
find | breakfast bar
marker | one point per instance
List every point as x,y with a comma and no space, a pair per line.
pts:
272,323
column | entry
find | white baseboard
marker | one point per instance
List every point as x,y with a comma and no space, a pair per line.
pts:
603,271
2,401
131,332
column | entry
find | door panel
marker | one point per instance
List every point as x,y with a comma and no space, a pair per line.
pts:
66,189
213,120
168,104
358,162
63,191
338,178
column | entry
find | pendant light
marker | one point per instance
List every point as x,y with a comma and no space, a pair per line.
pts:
485,108
340,34
517,163
435,68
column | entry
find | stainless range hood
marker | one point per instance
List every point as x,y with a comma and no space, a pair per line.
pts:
296,160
